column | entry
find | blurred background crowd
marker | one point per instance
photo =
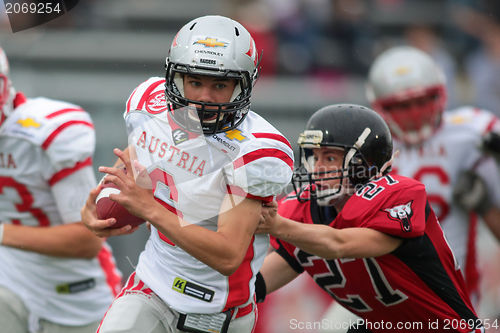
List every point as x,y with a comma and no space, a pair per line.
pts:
316,52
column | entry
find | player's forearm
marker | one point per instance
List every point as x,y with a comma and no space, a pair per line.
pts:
276,272
213,248
68,241
320,240
492,220
330,243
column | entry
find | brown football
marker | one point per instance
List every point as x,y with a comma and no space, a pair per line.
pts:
107,208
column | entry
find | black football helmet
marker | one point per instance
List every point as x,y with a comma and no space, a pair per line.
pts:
365,139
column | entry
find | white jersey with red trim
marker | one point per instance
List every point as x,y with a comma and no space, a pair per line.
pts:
46,149
191,176
439,162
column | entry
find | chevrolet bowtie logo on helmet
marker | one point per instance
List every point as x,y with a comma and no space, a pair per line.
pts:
403,70
211,42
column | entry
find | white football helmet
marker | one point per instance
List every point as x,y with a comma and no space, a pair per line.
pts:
213,46
7,92
408,89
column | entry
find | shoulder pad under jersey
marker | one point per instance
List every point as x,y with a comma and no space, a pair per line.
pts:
64,131
263,165
149,96
475,120
392,204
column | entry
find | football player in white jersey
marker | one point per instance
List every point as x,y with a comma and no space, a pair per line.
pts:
56,275
213,163
440,149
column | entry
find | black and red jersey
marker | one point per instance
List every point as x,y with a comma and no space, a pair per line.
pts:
414,288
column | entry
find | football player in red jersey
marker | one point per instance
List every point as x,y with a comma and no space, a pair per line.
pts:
384,256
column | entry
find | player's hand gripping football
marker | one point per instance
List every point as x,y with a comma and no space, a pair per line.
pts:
268,218
135,198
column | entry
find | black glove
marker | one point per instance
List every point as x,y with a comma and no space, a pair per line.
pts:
260,288
471,193
491,144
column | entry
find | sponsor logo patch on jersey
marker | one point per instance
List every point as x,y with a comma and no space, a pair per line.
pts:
28,122
208,61
225,143
402,214
211,42
192,289
157,103
75,287
235,134
458,119
179,136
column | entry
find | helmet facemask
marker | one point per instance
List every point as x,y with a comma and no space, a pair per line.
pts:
213,117
414,116
407,89
314,181
219,47
354,173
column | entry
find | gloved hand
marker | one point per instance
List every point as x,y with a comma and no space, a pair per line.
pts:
471,193
491,144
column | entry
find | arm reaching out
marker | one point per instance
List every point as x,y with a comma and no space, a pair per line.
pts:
325,241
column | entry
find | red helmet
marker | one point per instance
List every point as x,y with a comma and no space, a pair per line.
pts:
408,89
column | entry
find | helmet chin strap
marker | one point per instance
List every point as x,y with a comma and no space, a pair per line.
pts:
387,164
325,196
411,137
325,199
344,190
